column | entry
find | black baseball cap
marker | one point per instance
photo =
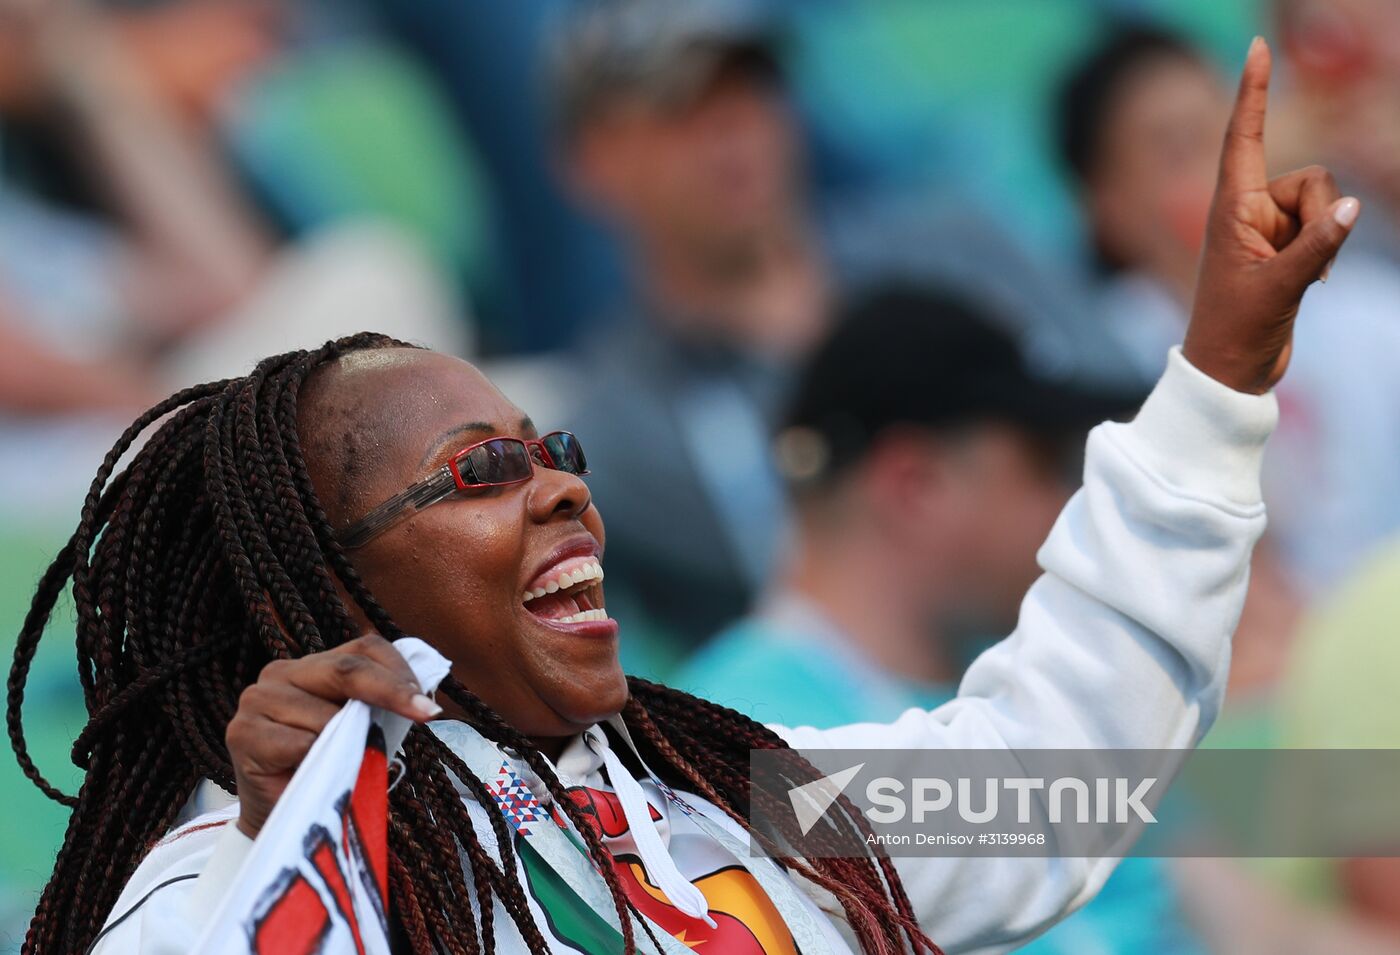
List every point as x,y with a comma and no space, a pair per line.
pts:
909,356
666,50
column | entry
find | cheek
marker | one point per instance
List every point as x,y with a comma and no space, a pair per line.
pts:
953,516
1004,520
1120,206
451,576
1026,516
592,520
776,147
685,186
1185,209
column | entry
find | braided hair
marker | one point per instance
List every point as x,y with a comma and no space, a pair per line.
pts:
210,556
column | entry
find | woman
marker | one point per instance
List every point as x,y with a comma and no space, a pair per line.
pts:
224,580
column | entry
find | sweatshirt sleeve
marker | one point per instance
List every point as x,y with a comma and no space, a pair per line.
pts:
1123,642
176,888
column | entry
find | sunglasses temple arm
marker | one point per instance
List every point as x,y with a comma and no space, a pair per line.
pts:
406,502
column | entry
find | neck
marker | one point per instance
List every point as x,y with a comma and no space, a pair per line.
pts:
768,291
552,747
884,607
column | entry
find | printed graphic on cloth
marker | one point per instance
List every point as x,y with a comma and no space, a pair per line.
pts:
316,878
746,921
518,804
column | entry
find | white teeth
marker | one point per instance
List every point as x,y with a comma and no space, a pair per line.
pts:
587,572
584,615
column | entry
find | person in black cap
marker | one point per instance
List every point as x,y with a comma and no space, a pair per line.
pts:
926,460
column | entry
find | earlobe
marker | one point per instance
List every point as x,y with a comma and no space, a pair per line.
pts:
901,483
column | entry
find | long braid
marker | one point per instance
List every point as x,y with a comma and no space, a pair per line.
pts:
210,556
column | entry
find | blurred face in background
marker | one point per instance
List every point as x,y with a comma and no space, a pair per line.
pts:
1338,44
1345,61
195,52
968,510
708,175
192,53
1149,189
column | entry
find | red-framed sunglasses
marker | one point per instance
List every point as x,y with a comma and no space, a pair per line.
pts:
495,462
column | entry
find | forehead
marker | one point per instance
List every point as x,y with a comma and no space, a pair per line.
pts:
732,77
1165,88
367,420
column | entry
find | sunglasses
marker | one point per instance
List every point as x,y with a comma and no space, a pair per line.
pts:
495,462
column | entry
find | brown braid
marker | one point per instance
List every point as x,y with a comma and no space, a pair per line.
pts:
209,557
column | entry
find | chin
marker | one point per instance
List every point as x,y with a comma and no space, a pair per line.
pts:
595,701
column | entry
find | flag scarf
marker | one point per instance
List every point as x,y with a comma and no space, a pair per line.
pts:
316,878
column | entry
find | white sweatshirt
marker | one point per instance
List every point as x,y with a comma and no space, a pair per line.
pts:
1124,642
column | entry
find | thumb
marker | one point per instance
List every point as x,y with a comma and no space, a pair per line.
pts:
1304,259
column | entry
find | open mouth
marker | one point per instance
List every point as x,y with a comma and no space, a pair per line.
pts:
571,591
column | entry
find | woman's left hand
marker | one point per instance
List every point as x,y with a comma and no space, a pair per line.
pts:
1266,242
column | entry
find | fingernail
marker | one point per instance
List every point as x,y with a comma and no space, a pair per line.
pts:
1326,271
424,706
1254,44
1346,212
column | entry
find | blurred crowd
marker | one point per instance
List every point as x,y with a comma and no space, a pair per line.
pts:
830,291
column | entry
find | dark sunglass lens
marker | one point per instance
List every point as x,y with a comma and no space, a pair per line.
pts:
499,462
566,452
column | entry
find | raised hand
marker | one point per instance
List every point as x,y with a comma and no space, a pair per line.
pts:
1266,242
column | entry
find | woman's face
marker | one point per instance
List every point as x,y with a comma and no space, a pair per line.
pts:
456,573
1155,173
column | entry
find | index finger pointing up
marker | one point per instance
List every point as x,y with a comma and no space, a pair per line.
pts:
1242,164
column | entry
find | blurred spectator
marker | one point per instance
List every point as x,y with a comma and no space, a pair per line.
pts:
1345,60
102,312
97,116
1340,694
1237,913
678,130
928,463
1139,122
